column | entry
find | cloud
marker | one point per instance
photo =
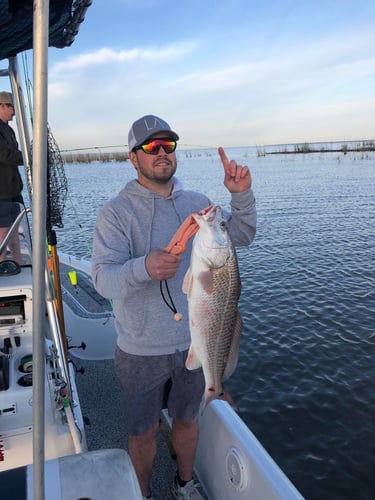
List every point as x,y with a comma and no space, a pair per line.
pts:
262,95
108,56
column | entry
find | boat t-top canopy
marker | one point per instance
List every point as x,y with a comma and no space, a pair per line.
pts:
16,24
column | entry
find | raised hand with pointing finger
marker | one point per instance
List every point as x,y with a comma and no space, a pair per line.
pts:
237,178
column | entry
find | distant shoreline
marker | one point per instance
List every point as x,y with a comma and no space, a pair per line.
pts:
280,149
307,148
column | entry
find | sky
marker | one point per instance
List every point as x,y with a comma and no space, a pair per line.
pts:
229,73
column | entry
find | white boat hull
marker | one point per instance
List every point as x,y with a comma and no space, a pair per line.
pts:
232,464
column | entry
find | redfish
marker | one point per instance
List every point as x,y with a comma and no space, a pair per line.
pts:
212,284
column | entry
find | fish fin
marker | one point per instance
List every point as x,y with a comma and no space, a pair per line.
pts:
188,282
192,360
206,280
210,394
225,396
234,348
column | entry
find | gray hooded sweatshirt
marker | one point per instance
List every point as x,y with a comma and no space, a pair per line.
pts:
128,227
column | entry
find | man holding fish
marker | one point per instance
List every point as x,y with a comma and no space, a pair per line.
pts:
132,264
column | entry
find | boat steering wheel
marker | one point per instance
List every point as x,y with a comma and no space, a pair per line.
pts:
9,268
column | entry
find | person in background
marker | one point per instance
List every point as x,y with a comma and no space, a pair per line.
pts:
129,265
11,183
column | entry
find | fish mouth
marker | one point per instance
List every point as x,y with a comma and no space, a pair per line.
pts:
209,210
208,213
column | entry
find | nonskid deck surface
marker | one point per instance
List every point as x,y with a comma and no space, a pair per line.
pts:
100,398
83,299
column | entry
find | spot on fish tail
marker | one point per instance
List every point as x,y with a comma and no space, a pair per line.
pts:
221,394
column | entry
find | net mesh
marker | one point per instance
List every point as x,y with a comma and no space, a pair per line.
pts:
57,185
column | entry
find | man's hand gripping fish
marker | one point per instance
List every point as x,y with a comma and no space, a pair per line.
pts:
212,284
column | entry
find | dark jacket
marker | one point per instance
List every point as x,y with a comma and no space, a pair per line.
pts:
10,157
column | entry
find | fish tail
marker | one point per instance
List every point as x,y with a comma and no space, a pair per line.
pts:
210,394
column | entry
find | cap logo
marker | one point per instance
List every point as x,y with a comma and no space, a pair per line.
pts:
154,125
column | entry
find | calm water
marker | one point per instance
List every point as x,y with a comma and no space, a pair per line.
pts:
305,383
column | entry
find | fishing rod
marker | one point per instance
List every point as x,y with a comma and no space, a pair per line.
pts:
93,147
89,148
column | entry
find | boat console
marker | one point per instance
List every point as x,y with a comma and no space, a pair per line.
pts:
16,365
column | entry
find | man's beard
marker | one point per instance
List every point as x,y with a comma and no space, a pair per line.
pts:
159,175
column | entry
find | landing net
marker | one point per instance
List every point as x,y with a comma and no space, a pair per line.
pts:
57,185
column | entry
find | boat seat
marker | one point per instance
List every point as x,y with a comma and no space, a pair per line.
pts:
93,475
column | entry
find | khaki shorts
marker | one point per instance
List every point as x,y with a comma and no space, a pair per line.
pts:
151,383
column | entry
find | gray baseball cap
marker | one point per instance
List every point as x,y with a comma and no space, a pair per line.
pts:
145,127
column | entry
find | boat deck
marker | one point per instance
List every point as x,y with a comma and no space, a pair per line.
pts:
83,299
100,399
100,393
